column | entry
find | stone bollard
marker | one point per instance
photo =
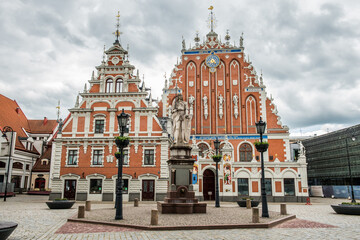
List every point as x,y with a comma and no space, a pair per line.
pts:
255,215
87,206
154,217
136,202
81,212
283,209
248,203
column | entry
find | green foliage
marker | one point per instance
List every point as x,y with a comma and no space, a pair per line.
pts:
350,203
119,138
257,143
218,156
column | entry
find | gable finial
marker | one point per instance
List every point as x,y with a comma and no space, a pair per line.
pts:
211,19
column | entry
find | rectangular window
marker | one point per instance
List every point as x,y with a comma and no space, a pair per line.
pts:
95,186
149,157
97,157
27,166
243,186
99,126
289,187
125,186
268,187
126,157
72,157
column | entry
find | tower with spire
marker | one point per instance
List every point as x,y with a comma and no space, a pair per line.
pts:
227,97
84,166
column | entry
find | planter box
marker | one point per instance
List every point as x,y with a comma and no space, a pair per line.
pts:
122,143
262,147
60,204
347,209
6,228
242,203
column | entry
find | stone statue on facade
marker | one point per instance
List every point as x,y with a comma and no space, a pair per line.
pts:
205,99
236,109
181,120
221,106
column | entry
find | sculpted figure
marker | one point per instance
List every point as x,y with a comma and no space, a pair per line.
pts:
181,120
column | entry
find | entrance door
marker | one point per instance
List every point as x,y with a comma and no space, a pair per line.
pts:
148,187
209,185
70,189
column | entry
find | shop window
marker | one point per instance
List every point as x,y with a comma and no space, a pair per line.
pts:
268,186
243,186
245,152
97,157
125,186
99,126
72,157
289,187
149,157
95,186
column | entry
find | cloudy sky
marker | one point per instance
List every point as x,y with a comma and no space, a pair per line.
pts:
308,51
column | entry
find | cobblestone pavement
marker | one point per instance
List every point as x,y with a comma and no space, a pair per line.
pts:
36,221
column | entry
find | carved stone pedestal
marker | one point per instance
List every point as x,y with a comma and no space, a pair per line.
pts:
180,196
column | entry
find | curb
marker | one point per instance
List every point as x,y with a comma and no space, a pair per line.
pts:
200,227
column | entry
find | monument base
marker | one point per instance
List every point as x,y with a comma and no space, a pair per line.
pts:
181,201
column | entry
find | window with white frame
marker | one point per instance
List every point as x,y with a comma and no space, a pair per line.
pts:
118,85
109,84
72,157
126,158
99,126
149,157
97,157
95,186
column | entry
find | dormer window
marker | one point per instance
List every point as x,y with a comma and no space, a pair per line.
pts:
109,84
118,87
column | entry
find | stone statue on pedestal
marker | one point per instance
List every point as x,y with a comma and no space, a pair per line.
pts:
181,120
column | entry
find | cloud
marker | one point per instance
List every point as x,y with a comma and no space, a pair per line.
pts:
309,52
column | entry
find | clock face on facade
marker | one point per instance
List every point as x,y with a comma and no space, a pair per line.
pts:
115,60
212,61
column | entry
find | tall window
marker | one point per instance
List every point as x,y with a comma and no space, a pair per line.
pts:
149,157
97,157
243,186
109,84
95,186
118,86
99,126
245,152
126,157
268,186
289,187
72,157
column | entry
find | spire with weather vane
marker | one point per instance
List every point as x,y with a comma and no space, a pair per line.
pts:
117,33
211,19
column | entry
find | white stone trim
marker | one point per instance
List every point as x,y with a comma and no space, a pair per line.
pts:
93,148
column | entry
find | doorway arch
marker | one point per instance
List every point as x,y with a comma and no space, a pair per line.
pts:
209,185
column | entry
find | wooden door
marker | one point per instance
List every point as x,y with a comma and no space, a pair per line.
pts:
148,188
70,189
209,185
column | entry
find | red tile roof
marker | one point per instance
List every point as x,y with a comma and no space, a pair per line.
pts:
12,115
38,167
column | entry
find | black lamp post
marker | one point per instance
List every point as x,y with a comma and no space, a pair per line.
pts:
217,160
122,122
348,160
260,128
5,130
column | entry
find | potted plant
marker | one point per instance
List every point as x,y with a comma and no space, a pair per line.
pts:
261,146
60,203
118,155
217,158
347,208
242,202
122,142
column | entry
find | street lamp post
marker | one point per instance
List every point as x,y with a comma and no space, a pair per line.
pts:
5,130
349,166
122,122
260,128
217,160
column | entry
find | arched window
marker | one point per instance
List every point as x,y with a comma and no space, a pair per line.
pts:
245,152
203,147
118,87
109,84
18,165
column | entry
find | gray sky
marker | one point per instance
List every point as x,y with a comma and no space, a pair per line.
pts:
308,51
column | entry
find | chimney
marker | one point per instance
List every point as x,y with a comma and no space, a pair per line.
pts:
17,110
45,120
